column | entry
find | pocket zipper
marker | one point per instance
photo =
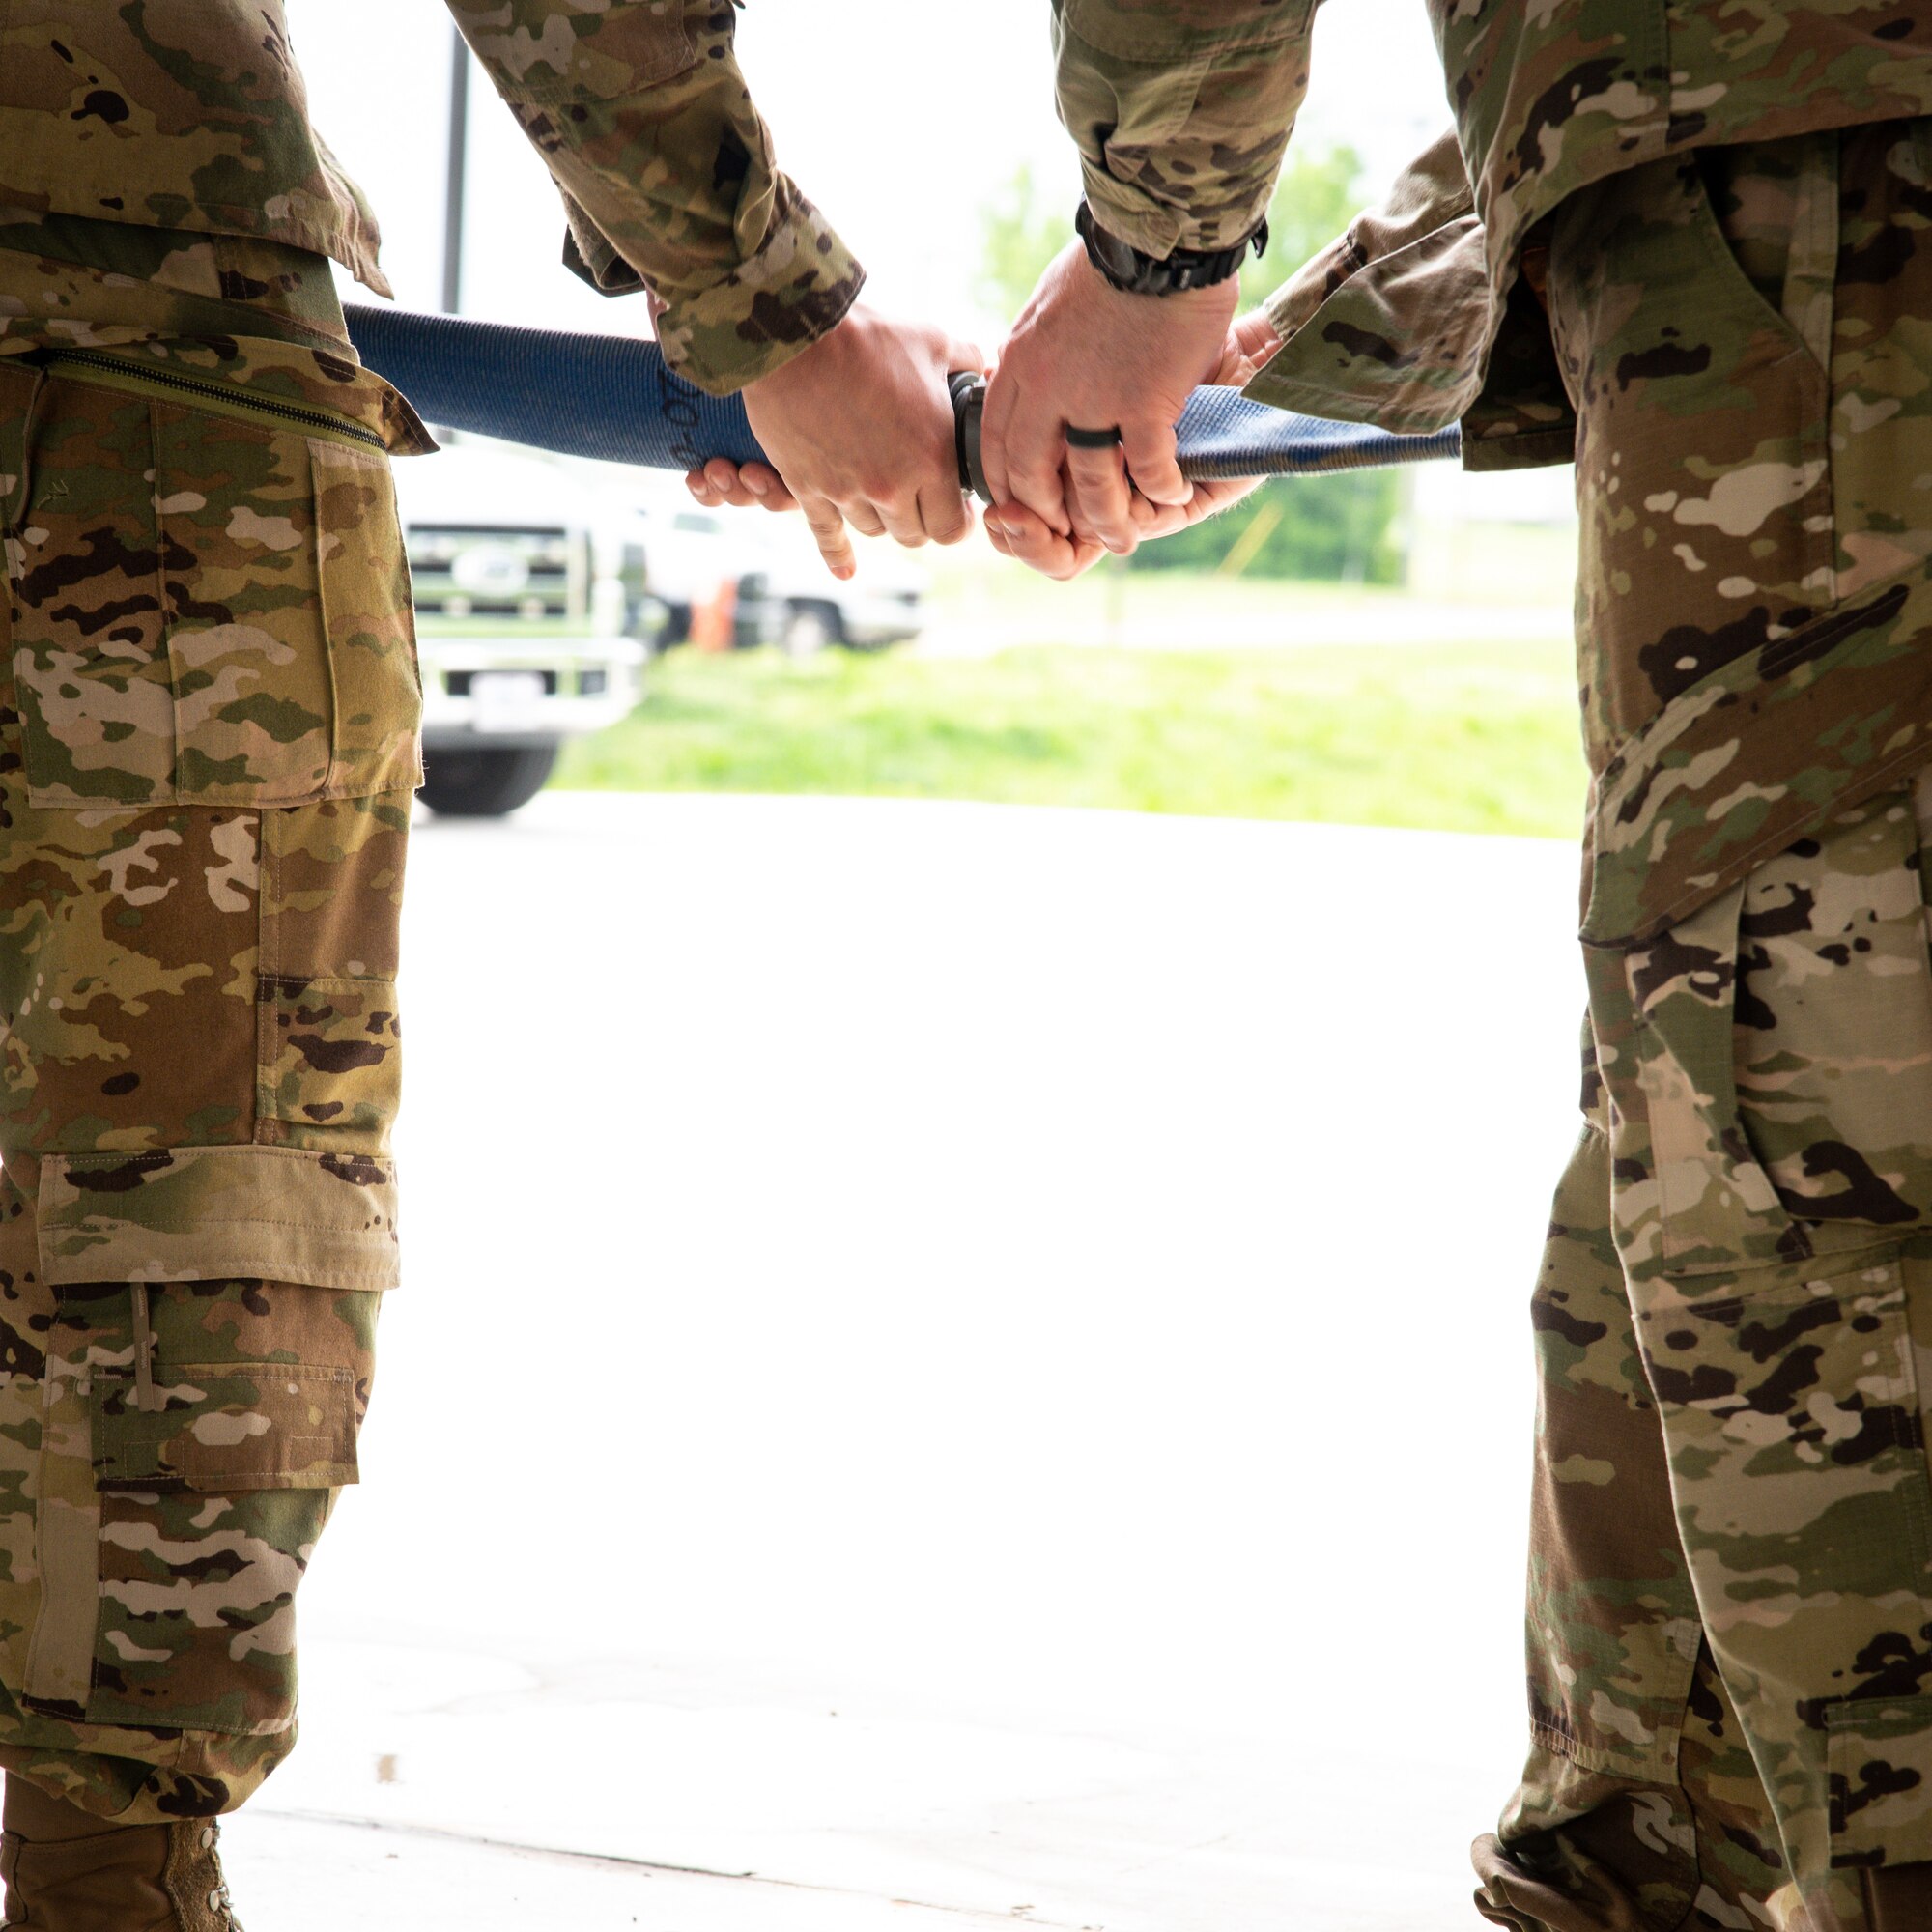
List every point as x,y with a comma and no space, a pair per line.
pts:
219,392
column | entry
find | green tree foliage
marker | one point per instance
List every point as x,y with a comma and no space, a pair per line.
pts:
1337,528
1319,194
1318,527
1020,232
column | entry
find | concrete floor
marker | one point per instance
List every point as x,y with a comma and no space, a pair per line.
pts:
956,1362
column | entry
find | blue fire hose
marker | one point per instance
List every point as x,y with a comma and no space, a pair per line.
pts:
615,398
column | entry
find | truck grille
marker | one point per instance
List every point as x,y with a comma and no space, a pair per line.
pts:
532,573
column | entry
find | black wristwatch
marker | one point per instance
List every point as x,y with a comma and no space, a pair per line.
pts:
1138,274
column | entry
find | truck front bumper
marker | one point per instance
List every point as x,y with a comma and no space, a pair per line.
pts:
486,690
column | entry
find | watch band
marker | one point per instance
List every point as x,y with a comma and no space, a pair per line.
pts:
1137,274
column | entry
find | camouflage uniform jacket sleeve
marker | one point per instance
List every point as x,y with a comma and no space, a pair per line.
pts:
641,113
174,114
1180,110
1392,323
1417,318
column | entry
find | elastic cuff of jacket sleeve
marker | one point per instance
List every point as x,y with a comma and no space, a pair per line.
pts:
600,265
797,288
1142,222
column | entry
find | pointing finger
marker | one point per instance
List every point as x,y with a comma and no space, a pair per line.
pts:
828,531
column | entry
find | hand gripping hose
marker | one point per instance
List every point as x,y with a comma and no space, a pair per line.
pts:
614,397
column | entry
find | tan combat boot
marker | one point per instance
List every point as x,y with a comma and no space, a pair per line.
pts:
70,1871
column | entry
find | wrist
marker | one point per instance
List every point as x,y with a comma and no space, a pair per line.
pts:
807,364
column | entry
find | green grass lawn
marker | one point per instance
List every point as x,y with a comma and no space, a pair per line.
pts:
1455,737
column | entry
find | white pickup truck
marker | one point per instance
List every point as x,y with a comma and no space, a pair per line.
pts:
543,586
531,618
770,574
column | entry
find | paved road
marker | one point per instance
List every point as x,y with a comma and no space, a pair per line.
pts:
951,1355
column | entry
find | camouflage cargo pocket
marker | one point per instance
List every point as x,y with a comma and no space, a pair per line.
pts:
210,1503
210,611
328,1055
1784,1049
188,1498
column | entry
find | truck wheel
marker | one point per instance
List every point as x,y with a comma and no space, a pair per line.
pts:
486,782
808,630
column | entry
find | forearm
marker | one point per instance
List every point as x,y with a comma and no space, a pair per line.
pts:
642,114
1182,114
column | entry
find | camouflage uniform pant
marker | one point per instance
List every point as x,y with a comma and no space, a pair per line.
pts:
208,703
1730,1601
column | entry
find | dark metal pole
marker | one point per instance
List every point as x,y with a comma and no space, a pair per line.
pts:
459,147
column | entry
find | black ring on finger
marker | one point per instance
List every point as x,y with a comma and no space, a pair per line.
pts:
1093,439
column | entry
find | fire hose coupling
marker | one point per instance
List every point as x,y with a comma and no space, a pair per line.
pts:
968,390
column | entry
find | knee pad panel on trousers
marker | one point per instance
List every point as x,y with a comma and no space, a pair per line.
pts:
1771,1056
